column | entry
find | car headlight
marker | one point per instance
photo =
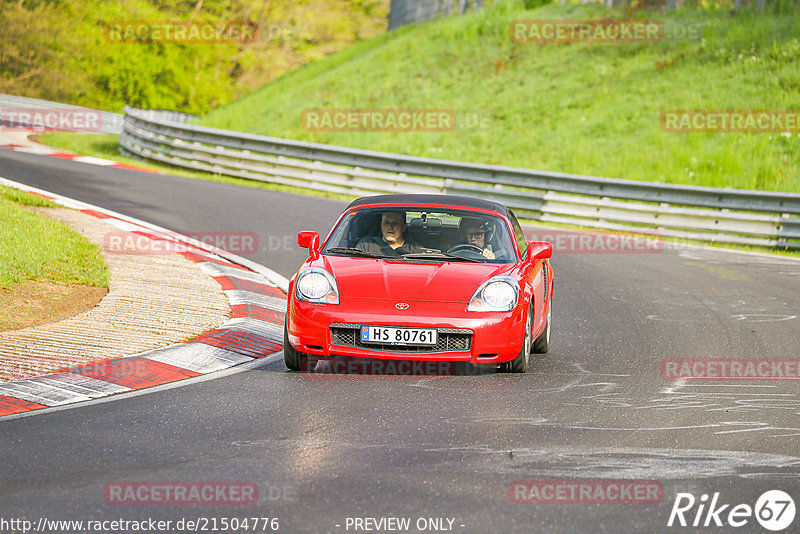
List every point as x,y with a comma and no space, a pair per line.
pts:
499,293
316,285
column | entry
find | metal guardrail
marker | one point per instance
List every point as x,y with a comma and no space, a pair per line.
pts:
686,212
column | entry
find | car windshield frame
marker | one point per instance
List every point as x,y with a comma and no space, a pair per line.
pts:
432,229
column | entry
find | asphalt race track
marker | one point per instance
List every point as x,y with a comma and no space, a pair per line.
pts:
323,450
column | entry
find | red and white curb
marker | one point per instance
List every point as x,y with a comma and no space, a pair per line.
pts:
45,151
258,306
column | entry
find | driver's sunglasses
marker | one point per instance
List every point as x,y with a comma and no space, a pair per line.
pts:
475,235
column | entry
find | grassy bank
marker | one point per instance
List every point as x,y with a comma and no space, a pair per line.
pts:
584,108
38,248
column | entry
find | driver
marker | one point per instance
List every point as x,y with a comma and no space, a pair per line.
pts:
473,231
392,239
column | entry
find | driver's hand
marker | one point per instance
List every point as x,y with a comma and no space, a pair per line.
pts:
488,254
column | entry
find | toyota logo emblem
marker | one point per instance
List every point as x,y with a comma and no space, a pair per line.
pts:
401,305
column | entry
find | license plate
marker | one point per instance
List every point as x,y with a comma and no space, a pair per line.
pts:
398,336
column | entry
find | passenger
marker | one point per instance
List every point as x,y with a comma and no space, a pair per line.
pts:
473,231
392,240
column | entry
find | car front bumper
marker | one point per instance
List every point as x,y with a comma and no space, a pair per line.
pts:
494,337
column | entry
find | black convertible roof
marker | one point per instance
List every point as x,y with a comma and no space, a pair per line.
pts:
445,200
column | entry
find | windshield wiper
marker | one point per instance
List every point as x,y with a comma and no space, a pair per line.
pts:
355,252
439,255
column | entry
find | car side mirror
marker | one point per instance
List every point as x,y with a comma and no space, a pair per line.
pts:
309,240
539,250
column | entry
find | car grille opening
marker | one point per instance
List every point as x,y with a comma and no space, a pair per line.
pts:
448,340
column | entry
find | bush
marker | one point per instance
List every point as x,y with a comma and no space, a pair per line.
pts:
60,50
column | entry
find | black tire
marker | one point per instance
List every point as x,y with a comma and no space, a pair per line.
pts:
292,358
542,343
520,363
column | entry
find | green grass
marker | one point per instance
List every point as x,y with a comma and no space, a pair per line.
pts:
24,198
65,50
35,247
581,108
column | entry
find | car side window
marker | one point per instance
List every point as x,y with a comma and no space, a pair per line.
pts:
518,234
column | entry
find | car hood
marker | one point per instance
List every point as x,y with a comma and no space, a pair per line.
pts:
439,282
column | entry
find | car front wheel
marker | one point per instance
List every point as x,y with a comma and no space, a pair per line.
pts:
542,343
520,363
292,358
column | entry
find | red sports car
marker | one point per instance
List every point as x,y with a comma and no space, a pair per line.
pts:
421,277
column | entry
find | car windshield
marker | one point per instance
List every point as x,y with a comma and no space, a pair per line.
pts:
422,234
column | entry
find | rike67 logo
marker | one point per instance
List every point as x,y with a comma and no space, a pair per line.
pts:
774,510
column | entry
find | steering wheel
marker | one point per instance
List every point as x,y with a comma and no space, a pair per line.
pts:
468,248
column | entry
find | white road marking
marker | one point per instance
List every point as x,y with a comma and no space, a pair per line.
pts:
254,364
